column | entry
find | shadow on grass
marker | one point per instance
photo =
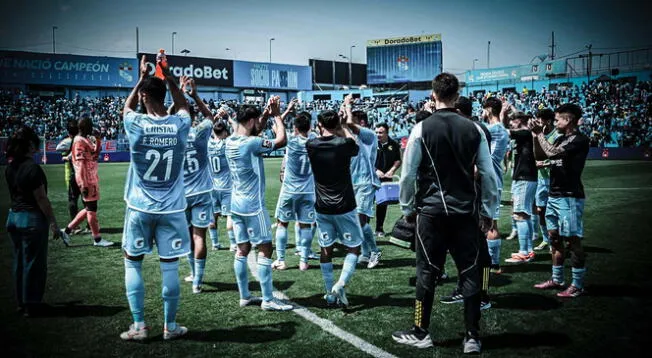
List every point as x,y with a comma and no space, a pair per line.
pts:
246,334
111,230
515,340
527,267
253,286
397,263
612,290
499,281
525,301
75,309
597,250
360,303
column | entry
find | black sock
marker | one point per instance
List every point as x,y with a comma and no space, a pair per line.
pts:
68,230
97,239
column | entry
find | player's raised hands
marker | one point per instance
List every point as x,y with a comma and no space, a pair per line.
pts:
292,105
144,72
348,100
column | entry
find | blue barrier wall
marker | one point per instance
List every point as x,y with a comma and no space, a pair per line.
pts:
594,154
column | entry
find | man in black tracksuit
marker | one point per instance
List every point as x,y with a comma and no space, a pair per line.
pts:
388,160
440,158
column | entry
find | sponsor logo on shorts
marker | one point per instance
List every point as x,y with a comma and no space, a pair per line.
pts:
347,236
139,243
311,214
202,215
324,235
176,244
250,232
288,213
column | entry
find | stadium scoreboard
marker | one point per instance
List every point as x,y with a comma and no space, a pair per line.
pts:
404,59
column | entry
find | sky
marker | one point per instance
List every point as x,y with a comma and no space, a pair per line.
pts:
518,30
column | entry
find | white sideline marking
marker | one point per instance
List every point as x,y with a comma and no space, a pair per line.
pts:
615,189
324,324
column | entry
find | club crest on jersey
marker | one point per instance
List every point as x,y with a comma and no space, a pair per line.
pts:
267,143
139,243
176,244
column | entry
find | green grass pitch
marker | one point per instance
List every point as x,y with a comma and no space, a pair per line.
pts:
86,287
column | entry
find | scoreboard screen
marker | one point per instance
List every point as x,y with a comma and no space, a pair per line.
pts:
404,59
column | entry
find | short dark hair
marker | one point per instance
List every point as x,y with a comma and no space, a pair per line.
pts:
494,104
465,106
247,112
445,86
302,122
383,125
421,115
19,142
220,127
85,126
328,119
72,127
521,116
546,114
360,116
572,109
155,88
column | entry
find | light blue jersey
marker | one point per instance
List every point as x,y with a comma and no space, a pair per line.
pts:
363,165
298,177
196,173
219,165
244,156
155,178
499,146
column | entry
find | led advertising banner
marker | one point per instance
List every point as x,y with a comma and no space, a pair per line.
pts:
274,76
205,71
404,59
67,70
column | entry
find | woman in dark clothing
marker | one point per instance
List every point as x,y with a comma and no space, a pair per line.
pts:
28,220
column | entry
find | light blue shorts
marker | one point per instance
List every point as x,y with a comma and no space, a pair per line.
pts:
296,207
543,188
199,212
255,229
344,228
564,214
222,202
168,231
364,199
523,193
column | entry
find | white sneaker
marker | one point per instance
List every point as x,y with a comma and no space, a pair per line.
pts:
189,278
275,305
338,291
134,334
233,247
196,289
363,259
217,247
303,266
176,333
374,259
252,300
103,243
279,265
64,237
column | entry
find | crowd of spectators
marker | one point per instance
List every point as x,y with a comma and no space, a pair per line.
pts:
616,114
